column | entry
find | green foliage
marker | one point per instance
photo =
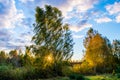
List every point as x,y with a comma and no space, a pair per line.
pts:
72,76
80,77
118,75
27,59
117,70
5,72
3,57
18,73
113,73
30,73
76,77
66,70
13,53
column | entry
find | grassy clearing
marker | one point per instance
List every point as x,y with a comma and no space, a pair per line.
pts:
103,77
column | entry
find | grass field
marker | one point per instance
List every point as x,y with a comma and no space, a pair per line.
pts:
97,77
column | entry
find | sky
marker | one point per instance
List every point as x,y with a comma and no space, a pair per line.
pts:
18,16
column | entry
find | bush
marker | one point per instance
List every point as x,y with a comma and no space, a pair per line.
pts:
76,76
118,69
18,73
118,75
113,73
80,77
5,72
72,76
85,68
66,70
38,73
30,74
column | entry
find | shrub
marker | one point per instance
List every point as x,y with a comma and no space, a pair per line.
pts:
66,70
18,73
30,73
118,75
76,76
85,68
38,73
5,72
80,77
72,76
113,73
118,69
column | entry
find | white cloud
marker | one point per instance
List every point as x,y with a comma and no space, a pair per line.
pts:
103,20
11,19
80,28
113,9
10,16
79,5
118,18
21,42
79,10
24,1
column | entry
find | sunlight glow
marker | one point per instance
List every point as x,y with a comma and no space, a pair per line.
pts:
49,58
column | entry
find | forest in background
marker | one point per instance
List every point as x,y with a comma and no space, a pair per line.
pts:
52,50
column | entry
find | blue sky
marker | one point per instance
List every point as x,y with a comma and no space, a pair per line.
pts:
17,17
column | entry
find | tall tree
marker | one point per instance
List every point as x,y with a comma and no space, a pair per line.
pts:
116,48
27,58
98,50
3,57
15,59
51,35
116,53
90,34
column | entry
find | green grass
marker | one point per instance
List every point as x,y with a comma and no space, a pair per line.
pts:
103,77
57,78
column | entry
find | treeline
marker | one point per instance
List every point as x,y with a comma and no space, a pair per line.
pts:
16,65
100,55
